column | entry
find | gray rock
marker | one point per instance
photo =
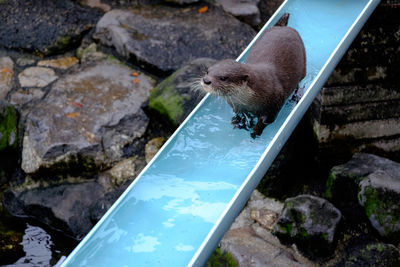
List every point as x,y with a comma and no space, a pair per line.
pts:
379,194
6,76
25,61
375,254
59,63
123,171
252,244
162,38
24,96
311,222
86,120
178,94
44,26
37,77
373,182
246,10
182,2
64,207
152,147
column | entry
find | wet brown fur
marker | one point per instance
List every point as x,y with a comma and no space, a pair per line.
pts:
273,69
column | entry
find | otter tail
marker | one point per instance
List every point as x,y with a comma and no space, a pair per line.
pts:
283,21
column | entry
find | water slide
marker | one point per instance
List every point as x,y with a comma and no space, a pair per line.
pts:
182,203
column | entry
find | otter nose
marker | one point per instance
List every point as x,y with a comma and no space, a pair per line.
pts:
206,81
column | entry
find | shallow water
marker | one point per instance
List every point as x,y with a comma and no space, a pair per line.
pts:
167,214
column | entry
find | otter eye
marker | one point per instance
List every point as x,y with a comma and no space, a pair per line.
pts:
223,78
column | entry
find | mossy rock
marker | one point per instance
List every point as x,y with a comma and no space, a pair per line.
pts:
221,259
174,98
380,196
310,222
375,254
8,126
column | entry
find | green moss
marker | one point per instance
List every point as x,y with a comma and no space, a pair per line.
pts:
329,185
166,100
8,128
221,259
380,209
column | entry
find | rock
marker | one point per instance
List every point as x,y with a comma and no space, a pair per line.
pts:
122,171
64,207
8,127
372,182
182,2
163,38
251,244
310,222
95,4
175,97
24,96
98,209
25,61
267,9
6,76
59,63
44,27
375,254
247,10
152,147
379,194
89,53
86,120
37,77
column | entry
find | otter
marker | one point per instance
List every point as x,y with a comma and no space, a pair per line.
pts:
273,69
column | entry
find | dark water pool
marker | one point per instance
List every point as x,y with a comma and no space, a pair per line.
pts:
39,245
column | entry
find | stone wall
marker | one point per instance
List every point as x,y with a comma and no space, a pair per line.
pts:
359,107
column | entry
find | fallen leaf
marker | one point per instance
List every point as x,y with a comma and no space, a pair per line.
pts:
136,80
135,74
203,9
76,104
5,70
72,115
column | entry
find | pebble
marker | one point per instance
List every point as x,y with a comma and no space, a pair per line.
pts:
36,77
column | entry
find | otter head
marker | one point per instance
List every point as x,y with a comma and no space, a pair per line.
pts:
225,78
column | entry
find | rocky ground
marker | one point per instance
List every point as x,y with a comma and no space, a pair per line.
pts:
90,90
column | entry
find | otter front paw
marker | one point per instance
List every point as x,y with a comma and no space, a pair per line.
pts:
243,121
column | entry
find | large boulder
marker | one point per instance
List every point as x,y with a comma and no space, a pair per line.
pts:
44,27
374,183
162,38
309,221
6,76
86,120
250,241
64,207
178,94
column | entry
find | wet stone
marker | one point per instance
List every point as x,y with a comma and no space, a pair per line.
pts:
310,222
6,76
59,63
44,27
372,182
24,96
246,10
37,77
163,38
152,147
86,120
64,207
